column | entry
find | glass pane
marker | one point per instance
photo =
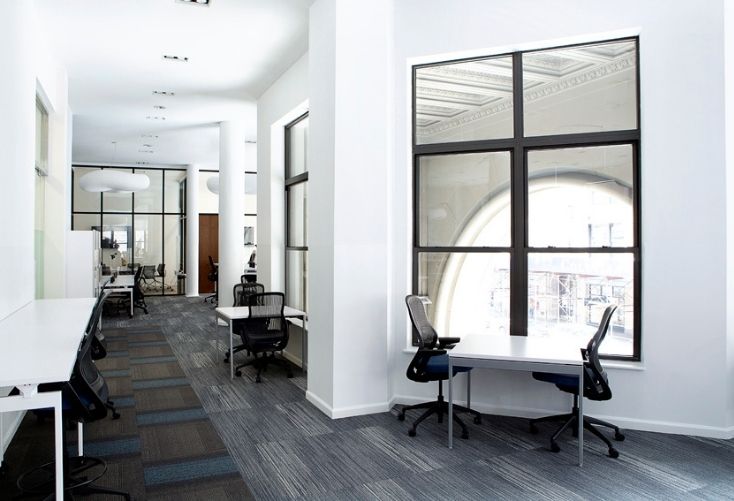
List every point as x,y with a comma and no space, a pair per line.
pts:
175,195
149,251
580,197
117,202
465,200
84,201
150,200
297,148
208,201
464,101
250,193
250,230
592,88
296,280
297,218
470,292
173,257
86,222
567,294
117,242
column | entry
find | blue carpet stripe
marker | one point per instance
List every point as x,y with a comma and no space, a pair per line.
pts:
124,402
168,417
102,448
116,373
189,470
152,360
147,343
160,383
117,354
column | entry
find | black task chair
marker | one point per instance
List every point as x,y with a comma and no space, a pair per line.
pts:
596,387
431,363
138,294
212,276
265,332
148,274
241,294
84,400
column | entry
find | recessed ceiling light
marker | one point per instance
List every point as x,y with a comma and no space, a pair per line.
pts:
195,2
163,93
147,146
149,136
180,59
159,107
149,117
146,151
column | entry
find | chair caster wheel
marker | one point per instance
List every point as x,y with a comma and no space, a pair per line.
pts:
226,360
554,447
290,375
477,419
613,453
238,373
411,433
465,435
130,316
533,429
401,417
618,437
257,379
115,415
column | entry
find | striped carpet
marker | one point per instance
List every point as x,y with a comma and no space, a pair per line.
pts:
163,447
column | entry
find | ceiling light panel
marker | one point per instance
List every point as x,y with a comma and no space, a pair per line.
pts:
159,107
195,2
150,117
163,93
180,59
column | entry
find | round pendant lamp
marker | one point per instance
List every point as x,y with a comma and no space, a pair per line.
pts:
106,180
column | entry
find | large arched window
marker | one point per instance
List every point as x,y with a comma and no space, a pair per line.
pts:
526,193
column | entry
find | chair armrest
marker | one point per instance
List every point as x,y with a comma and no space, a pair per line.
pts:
427,352
448,342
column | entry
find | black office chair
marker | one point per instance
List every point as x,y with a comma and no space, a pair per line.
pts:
241,294
138,294
148,274
161,270
84,400
596,387
431,363
265,332
212,276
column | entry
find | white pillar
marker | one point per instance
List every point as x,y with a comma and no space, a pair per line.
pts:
231,207
192,230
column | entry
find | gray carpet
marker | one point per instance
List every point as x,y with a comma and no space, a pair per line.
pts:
286,449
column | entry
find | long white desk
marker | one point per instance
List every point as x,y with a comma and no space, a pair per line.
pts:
230,313
39,345
522,353
123,283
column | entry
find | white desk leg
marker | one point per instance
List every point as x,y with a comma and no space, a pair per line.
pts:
231,351
59,442
451,405
581,416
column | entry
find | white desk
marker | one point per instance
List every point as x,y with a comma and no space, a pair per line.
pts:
230,313
123,283
541,354
39,345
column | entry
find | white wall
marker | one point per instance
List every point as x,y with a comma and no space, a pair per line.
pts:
729,138
682,382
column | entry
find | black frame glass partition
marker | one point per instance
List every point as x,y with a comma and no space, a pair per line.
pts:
526,192
296,214
145,229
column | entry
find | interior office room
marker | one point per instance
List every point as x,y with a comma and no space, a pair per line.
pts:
331,249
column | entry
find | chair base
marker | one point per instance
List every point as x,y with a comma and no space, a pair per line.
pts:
439,407
80,474
571,420
261,364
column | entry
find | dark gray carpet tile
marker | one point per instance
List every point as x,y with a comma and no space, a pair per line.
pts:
222,398
720,490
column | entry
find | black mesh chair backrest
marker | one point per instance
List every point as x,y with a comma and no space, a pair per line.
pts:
425,332
161,269
266,328
596,383
87,390
99,344
241,292
138,274
149,271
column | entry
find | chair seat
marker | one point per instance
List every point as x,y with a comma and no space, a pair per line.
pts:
440,364
565,382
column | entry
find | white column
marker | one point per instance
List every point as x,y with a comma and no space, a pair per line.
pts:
231,207
192,230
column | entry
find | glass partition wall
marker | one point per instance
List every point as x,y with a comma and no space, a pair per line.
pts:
145,228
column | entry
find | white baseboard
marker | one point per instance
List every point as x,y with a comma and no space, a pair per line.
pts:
624,423
292,359
343,412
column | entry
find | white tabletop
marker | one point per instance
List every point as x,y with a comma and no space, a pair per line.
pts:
513,348
39,342
122,281
240,312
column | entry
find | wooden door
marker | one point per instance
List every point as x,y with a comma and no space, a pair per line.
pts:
208,246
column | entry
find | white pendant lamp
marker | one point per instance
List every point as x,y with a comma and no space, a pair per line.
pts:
213,184
106,180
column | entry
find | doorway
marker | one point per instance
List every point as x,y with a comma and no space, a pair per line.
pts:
208,246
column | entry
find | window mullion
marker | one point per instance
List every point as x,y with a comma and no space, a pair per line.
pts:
519,264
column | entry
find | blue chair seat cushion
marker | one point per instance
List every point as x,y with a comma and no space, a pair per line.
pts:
440,365
565,382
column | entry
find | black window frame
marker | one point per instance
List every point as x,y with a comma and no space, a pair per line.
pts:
290,182
518,147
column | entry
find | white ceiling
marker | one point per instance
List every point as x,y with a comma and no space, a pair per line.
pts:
113,53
